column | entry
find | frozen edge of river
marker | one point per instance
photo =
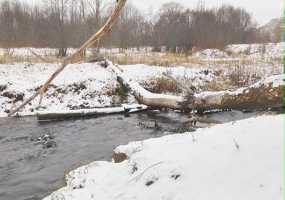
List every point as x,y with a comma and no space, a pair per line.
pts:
124,108
240,160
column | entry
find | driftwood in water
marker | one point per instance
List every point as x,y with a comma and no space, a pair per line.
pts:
265,94
78,56
96,112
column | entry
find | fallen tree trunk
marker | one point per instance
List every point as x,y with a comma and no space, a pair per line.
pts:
265,94
143,96
96,112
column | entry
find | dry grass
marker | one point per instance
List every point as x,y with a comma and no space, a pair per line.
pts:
237,75
246,61
9,59
241,77
155,59
163,85
219,84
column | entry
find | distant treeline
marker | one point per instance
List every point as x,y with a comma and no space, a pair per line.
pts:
67,23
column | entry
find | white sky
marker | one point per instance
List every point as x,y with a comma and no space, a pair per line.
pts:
262,10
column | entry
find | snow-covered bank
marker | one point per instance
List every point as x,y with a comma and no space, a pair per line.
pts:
80,86
273,50
57,114
89,86
241,160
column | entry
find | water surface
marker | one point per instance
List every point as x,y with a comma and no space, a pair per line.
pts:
34,157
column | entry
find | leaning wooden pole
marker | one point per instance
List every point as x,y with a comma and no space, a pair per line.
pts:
77,56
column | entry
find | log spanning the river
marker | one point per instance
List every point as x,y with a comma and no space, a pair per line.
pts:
85,113
267,93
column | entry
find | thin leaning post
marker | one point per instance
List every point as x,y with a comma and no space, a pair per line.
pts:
77,56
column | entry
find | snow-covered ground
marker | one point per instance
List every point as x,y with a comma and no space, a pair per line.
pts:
252,51
85,86
30,51
239,161
79,86
257,50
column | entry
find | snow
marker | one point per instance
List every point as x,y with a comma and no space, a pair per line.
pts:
216,97
257,50
198,76
276,80
89,86
79,86
112,110
137,90
237,51
211,53
29,51
273,50
239,160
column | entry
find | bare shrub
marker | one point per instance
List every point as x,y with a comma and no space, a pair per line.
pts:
163,85
217,85
240,76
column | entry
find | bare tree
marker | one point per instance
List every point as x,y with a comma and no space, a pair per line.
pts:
67,23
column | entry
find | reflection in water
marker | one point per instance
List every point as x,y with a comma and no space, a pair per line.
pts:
35,156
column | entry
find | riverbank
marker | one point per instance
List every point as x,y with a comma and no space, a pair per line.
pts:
90,86
238,160
85,86
35,156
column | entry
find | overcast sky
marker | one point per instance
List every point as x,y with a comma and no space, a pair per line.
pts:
262,10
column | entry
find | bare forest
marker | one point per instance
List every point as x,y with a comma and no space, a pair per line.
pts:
67,23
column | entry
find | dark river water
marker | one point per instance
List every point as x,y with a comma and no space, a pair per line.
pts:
34,156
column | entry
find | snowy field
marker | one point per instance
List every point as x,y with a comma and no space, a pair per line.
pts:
252,51
30,52
239,161
248,50
87,86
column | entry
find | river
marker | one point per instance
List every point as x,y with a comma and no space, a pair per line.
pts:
35,156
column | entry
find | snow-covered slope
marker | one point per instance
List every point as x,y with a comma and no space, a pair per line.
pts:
85,86
79,86
262,52
238,161
266,49
269,50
